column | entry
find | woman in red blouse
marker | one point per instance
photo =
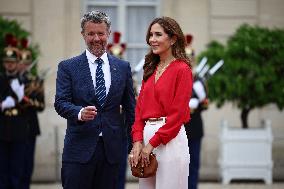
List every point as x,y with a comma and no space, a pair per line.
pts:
162,107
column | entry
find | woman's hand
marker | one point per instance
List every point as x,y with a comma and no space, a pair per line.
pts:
145,154
134,155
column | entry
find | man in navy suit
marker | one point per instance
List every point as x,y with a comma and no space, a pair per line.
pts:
90,88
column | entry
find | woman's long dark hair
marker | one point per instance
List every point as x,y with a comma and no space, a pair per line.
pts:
172,28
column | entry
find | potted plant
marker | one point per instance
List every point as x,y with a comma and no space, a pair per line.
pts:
251,77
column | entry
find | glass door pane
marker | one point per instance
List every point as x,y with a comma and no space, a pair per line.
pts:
138,20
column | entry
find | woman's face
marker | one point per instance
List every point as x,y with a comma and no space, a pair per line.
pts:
159,41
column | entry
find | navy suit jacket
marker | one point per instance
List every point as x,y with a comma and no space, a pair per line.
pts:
75,90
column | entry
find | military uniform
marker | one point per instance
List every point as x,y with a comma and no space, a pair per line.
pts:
194,131
194,128
13,126
32,103
117,49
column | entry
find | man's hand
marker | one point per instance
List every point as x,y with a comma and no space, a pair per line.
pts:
88,113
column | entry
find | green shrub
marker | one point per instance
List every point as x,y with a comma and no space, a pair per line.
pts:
252,74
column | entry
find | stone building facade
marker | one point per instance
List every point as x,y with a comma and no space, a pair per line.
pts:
55,26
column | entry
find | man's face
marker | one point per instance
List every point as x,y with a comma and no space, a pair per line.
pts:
10,66
22,67
96,36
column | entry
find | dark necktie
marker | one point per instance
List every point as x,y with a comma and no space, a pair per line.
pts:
100,83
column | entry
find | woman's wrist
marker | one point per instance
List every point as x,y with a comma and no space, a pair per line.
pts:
150,147
137,142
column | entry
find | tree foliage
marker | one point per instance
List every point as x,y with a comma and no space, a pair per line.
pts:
252,74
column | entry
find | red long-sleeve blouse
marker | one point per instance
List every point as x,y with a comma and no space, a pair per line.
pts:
168,97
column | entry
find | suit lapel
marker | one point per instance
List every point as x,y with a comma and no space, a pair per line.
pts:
88,81
115,77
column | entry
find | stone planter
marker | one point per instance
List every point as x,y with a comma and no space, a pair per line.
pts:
246,153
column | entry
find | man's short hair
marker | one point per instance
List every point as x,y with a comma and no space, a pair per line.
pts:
95,17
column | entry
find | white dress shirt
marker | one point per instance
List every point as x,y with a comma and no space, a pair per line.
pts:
105,66
93,67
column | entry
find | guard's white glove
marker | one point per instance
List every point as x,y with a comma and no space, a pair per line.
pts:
18,89
15,84
9,102
199,90
193,103
21,92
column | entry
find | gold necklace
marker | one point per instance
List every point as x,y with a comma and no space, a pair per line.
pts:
161,70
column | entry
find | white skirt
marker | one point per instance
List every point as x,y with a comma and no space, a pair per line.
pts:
173,160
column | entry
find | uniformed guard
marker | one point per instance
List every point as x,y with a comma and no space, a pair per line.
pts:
194,129
13,125
116,48
189,49
32,103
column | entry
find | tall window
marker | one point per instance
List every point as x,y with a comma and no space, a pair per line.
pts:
131,18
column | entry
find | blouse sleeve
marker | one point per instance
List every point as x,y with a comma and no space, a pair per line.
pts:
177,111
138,127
